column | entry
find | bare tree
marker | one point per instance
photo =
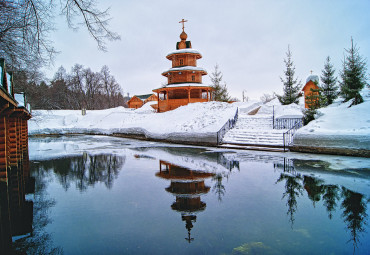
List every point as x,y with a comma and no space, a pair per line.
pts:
110,87
92,88
25,27
267,97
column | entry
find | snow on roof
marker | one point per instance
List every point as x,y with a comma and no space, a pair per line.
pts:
194,84
184,51
185,68
313,77
20,99
143,97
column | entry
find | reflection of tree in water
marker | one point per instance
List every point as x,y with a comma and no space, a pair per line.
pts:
85,170
330,198
354,207
39,241
354,204
218,187
314,188
293,188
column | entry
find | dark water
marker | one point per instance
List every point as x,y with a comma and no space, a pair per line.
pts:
99,195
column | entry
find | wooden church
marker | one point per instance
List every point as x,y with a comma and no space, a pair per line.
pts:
310,88
184,78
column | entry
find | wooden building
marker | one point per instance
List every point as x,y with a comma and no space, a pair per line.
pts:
184,78
310,88
138,101
15,212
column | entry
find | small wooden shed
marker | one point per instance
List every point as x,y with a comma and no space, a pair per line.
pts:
138,101
310,88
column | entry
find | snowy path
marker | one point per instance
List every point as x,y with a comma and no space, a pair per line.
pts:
254,130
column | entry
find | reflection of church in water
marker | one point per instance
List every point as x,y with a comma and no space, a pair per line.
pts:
188,186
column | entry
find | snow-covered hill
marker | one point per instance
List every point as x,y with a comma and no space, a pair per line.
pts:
339,125
195,121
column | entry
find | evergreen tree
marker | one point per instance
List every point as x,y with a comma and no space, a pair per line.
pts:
353,75
291,84
220,92
329,88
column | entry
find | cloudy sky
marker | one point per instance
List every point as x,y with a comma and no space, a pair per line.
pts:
248,39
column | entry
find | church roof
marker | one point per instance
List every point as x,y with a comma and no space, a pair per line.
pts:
185,68
143,97
176,85
187,50
313,77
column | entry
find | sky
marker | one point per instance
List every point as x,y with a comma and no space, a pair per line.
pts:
248,39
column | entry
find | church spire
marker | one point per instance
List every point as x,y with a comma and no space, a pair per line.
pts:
183,36
183,24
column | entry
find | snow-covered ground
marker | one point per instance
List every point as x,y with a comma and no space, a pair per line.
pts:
194,121
339,125
336,126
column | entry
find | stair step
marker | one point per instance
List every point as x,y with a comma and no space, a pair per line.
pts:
252,147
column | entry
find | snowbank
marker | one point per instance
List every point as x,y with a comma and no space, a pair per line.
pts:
281,110
197,122
339,125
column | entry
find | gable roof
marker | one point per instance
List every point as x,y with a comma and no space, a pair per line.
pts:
310,82
143,97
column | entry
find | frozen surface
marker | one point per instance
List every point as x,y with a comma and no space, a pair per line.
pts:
349,171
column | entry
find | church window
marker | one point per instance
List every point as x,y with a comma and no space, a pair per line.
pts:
193,78
181,62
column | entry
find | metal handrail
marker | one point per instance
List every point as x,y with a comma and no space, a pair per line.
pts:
227,126
288,135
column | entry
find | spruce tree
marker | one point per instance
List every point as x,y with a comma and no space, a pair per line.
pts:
291,84
220,92
329,88
353,75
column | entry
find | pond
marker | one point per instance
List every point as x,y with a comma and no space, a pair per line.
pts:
106,195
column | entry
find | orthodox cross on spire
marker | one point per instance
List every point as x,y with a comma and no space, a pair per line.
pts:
311,71
183,22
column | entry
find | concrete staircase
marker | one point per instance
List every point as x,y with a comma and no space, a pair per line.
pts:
254,132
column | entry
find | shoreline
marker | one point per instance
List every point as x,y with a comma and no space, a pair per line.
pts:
354,152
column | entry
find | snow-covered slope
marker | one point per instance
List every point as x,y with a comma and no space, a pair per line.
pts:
339,125
194,120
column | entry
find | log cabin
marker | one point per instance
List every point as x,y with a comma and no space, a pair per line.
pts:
184,78
138,101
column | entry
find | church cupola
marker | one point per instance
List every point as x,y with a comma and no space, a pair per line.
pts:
184,78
